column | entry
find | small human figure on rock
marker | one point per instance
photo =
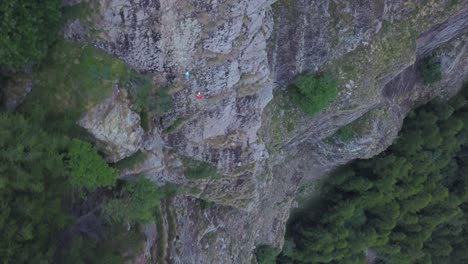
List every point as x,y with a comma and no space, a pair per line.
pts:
187,75
199,95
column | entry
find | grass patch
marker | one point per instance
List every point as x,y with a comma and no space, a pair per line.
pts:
195,169
357,128
172,222
145,120
283,117
131,161
206,204
313,93
172,128
345,134
210,237
75,78
72,80
161,236
155,102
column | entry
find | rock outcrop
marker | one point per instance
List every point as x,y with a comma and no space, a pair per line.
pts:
265,148
115,126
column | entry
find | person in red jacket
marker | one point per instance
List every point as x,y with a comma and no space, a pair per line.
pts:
199,96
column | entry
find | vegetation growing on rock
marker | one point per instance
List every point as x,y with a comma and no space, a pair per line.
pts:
408,204
78,77
88,78
313,93
195,169
430,70
130,162
134,203
353,130
148,101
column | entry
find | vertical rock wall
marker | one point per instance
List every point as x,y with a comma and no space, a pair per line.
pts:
237,50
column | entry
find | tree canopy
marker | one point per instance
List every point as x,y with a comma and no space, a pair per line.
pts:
32,173
40,173
312,93
27,28
88,170
407,204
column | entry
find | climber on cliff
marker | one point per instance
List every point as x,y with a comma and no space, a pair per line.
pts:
187,75
199,95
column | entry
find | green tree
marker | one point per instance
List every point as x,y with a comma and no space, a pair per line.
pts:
430,70
135,202
313,93
88,170
32,183
27,28
266,254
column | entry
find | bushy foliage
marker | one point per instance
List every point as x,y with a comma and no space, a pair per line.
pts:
266,254
32,183
408,204
88,170
430,70
149,101
131,161
313,93
39,174
135,202
195,169
27,28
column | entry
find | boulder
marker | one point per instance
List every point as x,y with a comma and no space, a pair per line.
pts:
115,126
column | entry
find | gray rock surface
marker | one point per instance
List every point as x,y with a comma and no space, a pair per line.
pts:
266,150
115,126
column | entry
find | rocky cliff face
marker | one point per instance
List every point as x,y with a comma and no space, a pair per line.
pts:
265,149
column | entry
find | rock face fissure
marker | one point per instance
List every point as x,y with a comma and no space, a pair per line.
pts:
264,147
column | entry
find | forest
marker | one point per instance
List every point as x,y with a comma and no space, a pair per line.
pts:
60,201
409,204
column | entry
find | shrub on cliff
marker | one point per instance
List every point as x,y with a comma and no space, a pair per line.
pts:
312,93
430,70
27,28
195,169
